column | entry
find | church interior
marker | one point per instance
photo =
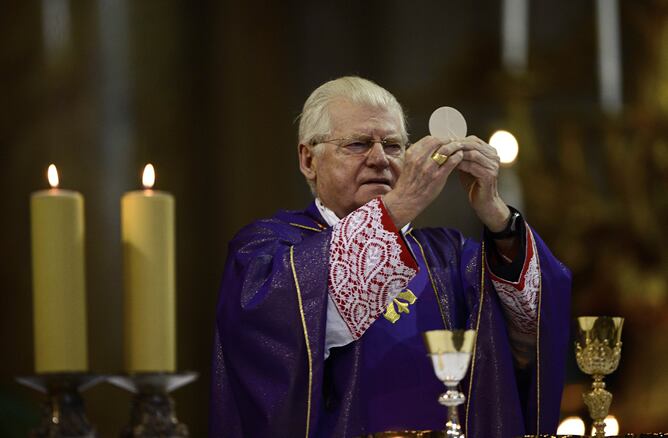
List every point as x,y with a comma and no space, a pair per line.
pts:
209,91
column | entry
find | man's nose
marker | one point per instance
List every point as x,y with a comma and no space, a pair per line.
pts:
377,156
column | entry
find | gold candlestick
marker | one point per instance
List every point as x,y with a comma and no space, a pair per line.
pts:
153,413
597,351
63,409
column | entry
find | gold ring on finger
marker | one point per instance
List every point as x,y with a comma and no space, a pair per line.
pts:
439,158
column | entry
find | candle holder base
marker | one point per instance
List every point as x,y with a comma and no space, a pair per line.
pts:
63,411
152,412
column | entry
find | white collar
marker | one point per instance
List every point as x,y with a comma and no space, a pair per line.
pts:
332,219
328,215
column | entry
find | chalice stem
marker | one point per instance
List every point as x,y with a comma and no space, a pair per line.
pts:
452,399
597,352
598,401
452,427
599,427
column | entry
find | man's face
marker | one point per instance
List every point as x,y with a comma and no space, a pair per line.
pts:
345,182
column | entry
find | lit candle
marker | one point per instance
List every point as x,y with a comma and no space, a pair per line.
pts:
59,295
147,220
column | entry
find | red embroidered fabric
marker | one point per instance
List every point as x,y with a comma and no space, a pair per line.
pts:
520,299
369,263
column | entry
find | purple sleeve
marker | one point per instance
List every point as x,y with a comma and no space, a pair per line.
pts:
268,352
497,384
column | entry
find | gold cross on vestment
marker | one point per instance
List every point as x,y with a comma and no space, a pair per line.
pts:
403,300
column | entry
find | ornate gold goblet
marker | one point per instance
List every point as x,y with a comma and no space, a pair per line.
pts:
450,353
597,351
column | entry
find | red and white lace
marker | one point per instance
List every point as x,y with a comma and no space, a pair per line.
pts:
369,264
520,299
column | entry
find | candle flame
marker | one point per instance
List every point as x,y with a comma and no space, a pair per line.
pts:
52,175
148,178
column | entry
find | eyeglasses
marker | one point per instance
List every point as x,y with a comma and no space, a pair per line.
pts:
361,146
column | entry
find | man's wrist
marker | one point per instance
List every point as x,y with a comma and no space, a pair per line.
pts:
508,247
395,211
496,218
510,229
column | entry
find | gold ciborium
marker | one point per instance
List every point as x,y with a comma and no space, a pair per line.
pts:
450,353
597,351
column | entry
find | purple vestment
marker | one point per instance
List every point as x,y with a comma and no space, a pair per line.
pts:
268,381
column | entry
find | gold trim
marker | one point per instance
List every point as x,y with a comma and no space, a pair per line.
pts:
477,332
433,284
305,227
540,296
308,346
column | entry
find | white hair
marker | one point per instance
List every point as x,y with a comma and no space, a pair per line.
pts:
314,121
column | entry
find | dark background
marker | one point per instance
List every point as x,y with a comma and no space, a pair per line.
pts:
208,91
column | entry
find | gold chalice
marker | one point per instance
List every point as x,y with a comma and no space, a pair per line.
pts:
597,351
450,353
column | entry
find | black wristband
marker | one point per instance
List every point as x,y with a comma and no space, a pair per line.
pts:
508,271
512,227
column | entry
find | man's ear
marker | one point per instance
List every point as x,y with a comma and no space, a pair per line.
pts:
307,161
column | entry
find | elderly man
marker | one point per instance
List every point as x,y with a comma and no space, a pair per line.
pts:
321,311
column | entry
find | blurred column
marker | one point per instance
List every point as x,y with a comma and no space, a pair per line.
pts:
109,171
609,56
116,118
56,28
515,36
114,169
515,59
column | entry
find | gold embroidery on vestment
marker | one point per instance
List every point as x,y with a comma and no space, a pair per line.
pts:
391,314
402,301
308,346
540,298
306,227
477,332
433,284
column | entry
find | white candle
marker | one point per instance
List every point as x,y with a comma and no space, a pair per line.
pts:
59,296
147,219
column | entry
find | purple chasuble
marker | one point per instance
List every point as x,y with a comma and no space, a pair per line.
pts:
269,376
